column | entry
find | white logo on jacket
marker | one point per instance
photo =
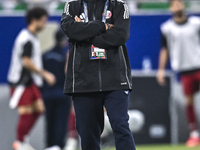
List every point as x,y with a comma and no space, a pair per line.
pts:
82,17
124,83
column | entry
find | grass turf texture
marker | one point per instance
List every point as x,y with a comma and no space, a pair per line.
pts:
162,147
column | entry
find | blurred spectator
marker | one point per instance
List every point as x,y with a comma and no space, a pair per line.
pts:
25,76
180,41
72,141
57,105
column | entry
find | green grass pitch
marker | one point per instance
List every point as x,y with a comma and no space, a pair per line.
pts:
162,147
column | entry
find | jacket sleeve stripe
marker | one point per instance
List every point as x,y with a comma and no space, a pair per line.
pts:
126,12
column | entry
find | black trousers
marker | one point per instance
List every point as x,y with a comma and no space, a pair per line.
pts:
57,113
90,118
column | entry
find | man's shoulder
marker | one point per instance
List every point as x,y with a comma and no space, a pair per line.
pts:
74,1
47,53
167,24
72,6
52,54
23,37
194,19
118,2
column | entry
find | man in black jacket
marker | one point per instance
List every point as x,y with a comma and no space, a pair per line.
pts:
100,26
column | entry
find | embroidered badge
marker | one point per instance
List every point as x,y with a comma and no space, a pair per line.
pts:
109,14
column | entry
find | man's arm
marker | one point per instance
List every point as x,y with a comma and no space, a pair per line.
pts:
119,33
163,58
28,64
79,31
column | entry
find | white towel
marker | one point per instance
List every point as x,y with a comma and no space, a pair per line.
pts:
16,96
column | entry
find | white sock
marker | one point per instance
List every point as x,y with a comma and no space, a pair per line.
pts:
26,139
71,144
194,134
53,148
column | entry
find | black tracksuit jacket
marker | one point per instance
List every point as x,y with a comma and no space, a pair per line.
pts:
85,75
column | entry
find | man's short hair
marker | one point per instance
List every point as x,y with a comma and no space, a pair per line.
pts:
35,13
170,1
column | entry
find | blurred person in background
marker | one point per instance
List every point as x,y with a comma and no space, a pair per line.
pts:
25,76
181,40
56,103
72,140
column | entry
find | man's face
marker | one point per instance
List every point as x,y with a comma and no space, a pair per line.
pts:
177,7
40,23
94,54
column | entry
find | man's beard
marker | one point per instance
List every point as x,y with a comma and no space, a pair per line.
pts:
38,29
178,14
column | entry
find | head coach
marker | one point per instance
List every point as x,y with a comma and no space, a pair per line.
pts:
101,27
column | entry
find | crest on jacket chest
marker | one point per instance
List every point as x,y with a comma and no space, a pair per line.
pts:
108,15
82,17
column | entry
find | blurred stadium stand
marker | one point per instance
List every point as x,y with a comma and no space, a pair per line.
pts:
56,6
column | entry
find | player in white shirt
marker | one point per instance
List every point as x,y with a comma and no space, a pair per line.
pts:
181,41
25,76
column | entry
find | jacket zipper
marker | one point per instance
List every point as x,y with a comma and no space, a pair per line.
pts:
126,72
100,84
94,18
73,68
94,11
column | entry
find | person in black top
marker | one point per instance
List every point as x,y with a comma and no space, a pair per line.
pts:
57,105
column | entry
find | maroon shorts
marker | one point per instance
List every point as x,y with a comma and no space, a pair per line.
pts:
190,83
29,95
